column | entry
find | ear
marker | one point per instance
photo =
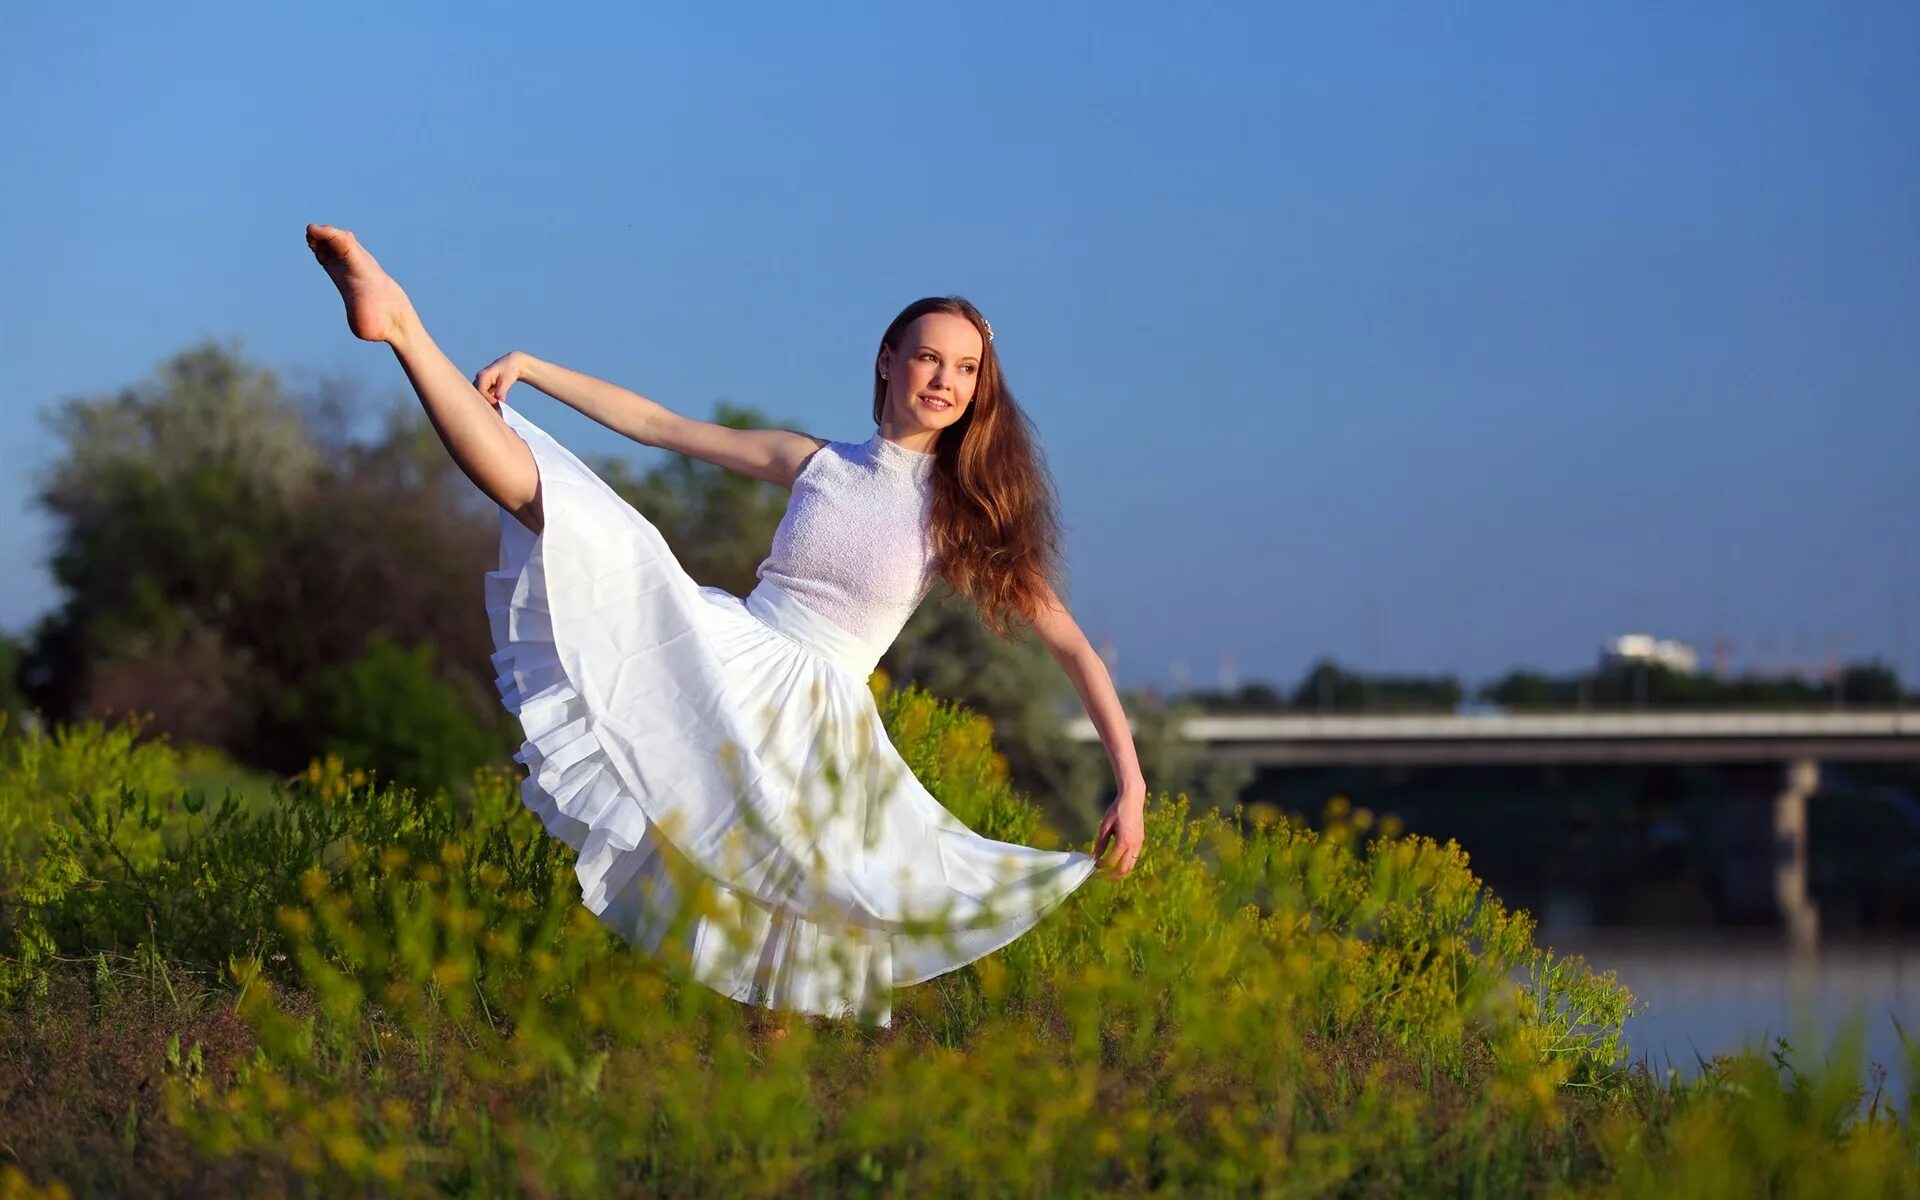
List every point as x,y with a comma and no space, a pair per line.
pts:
886,359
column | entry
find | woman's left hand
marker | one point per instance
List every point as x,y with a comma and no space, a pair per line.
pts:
1125,825
502,373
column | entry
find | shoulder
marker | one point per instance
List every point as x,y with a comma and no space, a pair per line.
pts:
815,452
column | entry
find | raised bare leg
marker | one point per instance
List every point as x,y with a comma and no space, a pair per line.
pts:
482,444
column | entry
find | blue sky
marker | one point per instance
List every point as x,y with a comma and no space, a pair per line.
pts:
1435,341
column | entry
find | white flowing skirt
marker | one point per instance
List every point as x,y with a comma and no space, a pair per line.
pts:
723,772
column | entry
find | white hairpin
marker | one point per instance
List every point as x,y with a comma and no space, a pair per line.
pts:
989,325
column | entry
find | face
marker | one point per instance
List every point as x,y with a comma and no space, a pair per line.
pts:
931,376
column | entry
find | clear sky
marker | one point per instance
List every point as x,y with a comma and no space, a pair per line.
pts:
1433,340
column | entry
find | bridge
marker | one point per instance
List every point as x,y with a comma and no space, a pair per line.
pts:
1318,740
1773,757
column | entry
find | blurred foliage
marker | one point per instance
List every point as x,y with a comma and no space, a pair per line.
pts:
1329,687
220,544
1657,686
390,711
43,773
170,494
354,991
12,703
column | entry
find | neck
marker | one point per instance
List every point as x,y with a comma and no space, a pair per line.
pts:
920,441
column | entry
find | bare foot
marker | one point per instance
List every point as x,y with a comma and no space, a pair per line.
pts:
377,309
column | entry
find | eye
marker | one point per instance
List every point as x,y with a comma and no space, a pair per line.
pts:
927,355
969,368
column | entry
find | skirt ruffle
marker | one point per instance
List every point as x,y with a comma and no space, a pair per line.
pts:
732,796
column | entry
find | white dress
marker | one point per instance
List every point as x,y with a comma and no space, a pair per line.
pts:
720,763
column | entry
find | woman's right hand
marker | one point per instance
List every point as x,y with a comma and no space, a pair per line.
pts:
502,373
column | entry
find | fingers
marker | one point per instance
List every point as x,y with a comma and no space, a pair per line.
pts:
487,383
1125,844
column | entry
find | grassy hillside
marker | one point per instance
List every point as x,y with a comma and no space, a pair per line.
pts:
338,986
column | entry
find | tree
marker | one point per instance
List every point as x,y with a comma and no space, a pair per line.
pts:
1654,685
393,543
1527,689
167,503
1330,688
392,711
12,703
220,542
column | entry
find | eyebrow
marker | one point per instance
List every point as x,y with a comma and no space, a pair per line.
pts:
963,357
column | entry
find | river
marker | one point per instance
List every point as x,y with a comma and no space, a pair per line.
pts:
1708,994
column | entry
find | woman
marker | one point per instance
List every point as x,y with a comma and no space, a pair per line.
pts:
718,763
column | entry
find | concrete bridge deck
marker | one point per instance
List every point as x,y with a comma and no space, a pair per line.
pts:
1301,739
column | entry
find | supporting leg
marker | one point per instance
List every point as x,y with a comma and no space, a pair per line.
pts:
1801,779
489,452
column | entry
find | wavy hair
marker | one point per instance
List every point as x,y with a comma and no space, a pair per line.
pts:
994,520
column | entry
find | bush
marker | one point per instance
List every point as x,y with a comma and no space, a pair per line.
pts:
389,711
353,990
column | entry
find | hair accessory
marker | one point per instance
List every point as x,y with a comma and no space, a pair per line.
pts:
989,325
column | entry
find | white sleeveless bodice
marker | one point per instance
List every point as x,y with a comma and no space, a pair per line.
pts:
853,546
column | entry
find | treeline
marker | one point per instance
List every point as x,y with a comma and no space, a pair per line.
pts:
271,574
1857,685
1328,687
282,574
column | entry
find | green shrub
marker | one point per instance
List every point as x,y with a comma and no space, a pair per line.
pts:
389,711
353,990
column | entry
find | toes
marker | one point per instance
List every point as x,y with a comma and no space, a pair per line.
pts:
339,239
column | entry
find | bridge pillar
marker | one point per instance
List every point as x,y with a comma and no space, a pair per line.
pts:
1800,780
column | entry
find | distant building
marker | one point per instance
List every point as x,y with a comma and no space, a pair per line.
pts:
1633,648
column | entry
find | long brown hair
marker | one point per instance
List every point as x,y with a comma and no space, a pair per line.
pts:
994,519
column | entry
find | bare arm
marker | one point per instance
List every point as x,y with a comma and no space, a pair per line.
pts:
774,455
1069,646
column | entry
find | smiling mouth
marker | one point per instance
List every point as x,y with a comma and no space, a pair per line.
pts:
936,402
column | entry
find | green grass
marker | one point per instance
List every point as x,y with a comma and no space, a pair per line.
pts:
338,986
